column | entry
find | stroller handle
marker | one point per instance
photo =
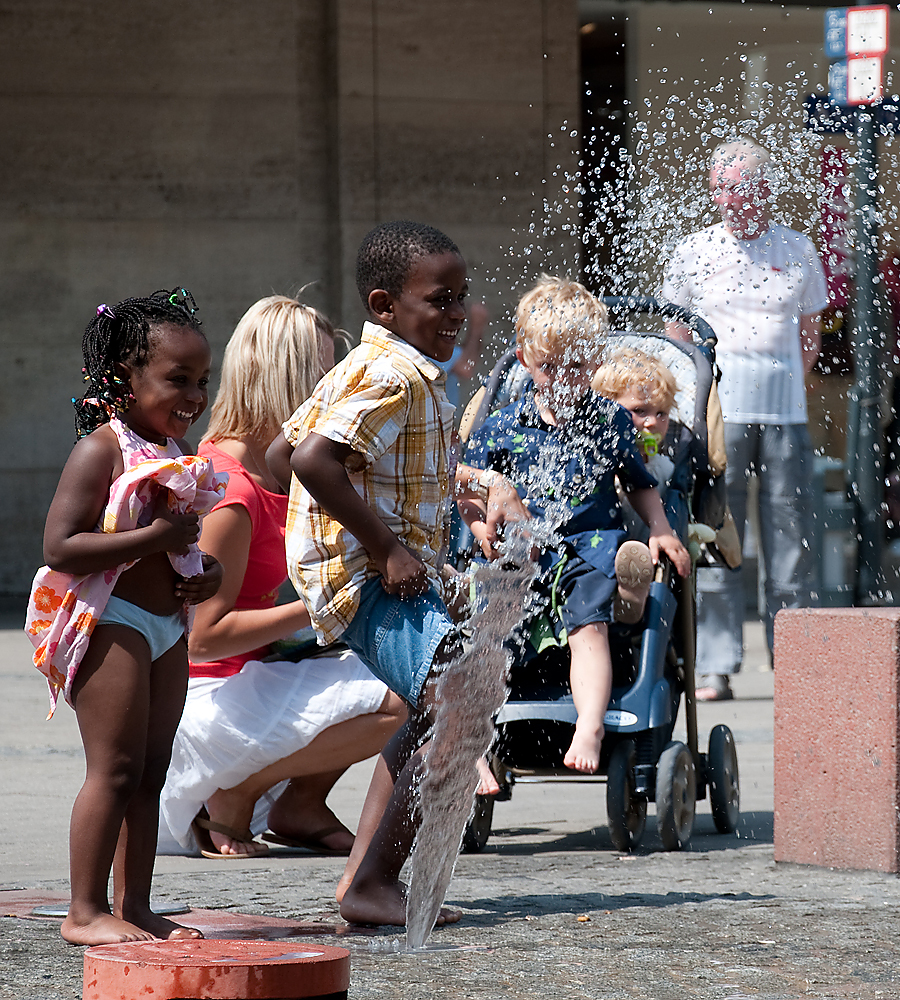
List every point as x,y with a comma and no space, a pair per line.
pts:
648,304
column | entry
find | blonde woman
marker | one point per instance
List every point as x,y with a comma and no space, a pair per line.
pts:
251,721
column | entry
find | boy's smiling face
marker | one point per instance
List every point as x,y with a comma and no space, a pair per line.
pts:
430,310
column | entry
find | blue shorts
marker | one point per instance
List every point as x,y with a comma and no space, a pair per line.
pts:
160,632
587,592
397,639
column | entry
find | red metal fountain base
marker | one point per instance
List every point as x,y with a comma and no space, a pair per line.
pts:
217,970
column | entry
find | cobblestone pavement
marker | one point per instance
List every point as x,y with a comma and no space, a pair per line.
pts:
550,909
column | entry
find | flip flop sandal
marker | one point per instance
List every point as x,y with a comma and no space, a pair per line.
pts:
201,827
314,842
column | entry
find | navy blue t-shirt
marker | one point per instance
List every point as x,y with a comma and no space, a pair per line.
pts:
568,471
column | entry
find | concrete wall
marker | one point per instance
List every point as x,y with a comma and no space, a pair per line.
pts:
240,149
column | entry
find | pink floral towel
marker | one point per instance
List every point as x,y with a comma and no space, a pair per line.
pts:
63,609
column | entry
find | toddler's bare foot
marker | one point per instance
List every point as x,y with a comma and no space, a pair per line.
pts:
584,753
487,781
384,904
634,571
101,928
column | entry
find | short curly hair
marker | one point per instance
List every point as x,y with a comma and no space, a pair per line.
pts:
560,314
631,369
388,252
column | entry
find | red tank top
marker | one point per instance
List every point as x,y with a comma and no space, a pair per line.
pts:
266,565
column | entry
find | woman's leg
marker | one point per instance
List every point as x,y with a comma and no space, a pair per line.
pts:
136,849
321,761
111,696
591,682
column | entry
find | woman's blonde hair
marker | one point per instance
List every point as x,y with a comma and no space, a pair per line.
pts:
629,368
271,365
559,313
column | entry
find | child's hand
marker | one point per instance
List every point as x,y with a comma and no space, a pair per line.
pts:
503,506
403,572
673,548
197,589
178,531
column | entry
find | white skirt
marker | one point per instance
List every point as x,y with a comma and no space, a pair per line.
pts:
234,727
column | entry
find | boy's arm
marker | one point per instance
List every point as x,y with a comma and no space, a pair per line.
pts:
648,505
501,502
318,462
278,459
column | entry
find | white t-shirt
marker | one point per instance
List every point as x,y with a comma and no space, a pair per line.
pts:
752,293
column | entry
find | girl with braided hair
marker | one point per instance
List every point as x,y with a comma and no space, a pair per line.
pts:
107,613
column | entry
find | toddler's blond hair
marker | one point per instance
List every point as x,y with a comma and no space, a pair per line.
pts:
629,368
560,313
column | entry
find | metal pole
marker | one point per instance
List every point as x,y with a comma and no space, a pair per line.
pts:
867,479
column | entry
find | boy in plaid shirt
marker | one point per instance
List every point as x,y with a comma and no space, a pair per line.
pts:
367,516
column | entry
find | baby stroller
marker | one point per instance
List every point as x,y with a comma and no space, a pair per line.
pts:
653,661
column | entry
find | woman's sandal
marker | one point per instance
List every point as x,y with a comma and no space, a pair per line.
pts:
315,842
203,824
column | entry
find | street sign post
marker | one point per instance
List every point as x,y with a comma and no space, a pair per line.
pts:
856,40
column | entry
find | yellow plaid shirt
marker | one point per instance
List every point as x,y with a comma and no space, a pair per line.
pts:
386,400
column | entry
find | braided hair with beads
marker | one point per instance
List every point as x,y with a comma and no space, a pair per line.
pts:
120,334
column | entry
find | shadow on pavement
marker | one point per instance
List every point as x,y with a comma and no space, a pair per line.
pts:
755,827
506,908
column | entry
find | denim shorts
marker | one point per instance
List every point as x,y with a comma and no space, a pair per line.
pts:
397,639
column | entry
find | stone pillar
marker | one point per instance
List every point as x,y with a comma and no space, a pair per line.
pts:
836,733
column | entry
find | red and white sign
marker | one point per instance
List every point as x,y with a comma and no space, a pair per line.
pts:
867,30
865,79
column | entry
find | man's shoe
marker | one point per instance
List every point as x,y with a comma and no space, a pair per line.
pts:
714,687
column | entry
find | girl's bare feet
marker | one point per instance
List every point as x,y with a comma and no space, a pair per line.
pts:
161,927
384,904
101,928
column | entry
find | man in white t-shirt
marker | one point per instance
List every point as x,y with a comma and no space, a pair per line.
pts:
762,289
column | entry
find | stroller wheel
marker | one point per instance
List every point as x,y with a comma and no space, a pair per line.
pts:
478,829
627,812
676,796
724,784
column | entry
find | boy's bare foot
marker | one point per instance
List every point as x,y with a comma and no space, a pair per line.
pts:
584,753
487,781
634,571
384,904
101,928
